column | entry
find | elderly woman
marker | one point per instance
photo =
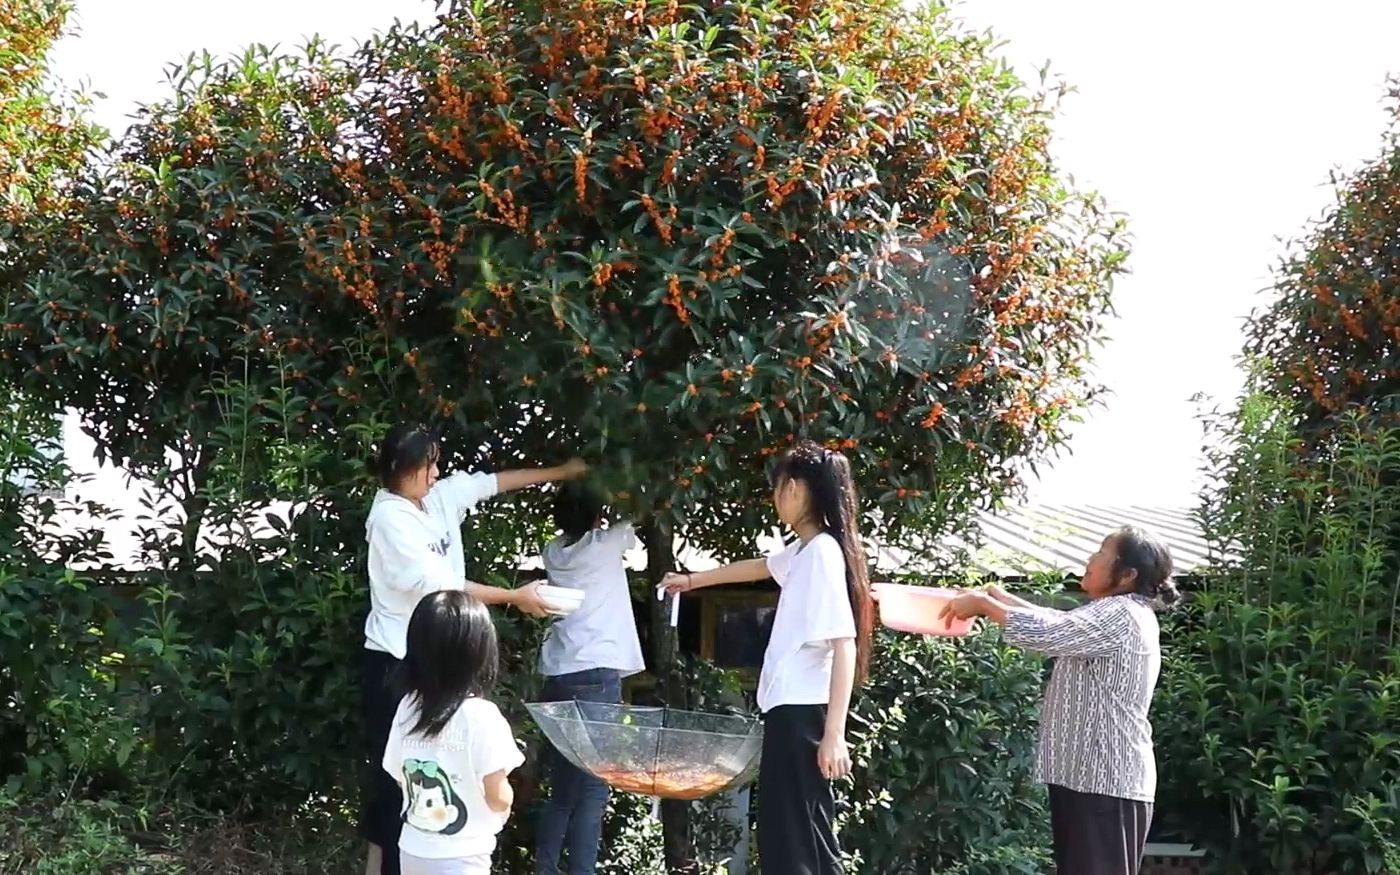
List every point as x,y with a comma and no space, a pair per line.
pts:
1095,751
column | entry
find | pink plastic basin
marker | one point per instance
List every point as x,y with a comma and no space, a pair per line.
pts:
916,608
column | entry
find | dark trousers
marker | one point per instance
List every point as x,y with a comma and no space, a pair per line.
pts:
572,817
796,804
1097,835
382,801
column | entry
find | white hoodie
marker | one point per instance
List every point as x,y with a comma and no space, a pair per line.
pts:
413,553
602,633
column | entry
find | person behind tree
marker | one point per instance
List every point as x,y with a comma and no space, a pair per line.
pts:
1095,751
415,549
585,657
818,652
450,750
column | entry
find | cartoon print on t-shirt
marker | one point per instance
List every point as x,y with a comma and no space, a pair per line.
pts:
433,806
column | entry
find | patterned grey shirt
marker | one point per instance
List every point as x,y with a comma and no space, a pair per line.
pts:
1094,733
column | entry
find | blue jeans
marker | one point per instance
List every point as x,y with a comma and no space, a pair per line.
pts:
573,815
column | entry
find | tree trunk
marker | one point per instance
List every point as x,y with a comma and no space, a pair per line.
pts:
677,829
194,500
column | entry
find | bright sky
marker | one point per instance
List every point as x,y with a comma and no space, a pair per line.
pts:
1212,124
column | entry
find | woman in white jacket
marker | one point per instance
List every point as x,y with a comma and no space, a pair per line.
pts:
415,549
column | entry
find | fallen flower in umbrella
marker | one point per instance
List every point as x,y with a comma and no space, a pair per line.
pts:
662,752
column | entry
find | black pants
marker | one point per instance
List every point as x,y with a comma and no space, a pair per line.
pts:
796,805
1097,835
382,802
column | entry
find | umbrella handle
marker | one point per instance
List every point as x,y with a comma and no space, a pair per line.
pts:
675,604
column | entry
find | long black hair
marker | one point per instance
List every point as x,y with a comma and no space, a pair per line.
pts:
405,449
1139,551
827,475
452,656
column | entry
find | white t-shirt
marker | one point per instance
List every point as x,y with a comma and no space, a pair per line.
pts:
814,610
602,633
413,553
445,815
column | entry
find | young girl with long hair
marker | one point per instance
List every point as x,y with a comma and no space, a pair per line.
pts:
1095,750
818,653
450,750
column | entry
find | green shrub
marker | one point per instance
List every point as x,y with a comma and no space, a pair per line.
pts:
1278,718
64,717
632,839
944,740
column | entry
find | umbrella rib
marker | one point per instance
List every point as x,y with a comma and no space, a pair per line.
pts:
656,755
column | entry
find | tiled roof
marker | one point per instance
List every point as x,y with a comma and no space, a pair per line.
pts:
1061,538
1015,542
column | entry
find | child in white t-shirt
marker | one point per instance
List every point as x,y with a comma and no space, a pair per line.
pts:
819,651
585,656
450,750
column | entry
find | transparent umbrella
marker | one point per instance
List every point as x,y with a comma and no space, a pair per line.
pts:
652,751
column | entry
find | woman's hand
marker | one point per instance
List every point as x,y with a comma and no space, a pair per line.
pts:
677,583
966,606
833,757
527,600
997,594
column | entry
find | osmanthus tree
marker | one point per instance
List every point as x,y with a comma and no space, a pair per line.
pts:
39,140
686,237
676,238
1329,341
672,237
44,138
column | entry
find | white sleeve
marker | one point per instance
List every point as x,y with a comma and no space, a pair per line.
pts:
828,615
493,744
623,537
779,563
393,748
465,490
399,561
